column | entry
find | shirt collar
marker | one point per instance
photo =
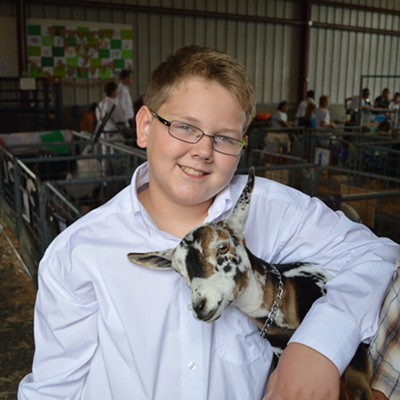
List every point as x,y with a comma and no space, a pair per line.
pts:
219,209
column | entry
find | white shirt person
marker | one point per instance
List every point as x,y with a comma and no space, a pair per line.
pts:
124,96
124,332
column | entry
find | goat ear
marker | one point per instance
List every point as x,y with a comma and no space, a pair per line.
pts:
239,214
153,259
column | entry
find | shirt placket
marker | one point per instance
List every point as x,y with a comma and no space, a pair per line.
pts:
194,340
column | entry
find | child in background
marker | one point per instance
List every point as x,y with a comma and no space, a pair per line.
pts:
322,114
310,120
280,117
89,120
394,106
107,329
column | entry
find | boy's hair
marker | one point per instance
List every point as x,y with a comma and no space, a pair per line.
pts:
323,101
310,94
92,107
204,62
109,88
125,73
365,92
282,105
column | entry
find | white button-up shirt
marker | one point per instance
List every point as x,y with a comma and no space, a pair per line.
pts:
107,329
125,100
117,117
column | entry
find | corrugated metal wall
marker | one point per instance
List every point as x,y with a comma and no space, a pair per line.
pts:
364,43
345,42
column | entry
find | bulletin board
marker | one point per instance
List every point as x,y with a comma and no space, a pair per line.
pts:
78,50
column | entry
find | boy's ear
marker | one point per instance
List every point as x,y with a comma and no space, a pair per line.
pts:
143,120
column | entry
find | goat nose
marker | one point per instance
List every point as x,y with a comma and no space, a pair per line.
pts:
199,306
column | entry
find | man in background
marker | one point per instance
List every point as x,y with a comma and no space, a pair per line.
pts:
301,110
125,99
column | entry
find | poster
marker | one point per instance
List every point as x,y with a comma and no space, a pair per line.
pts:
64,51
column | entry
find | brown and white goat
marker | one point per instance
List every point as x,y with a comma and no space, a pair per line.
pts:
220,270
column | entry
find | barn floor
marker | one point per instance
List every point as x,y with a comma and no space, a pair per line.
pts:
17,296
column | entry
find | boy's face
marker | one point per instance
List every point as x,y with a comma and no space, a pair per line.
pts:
184,173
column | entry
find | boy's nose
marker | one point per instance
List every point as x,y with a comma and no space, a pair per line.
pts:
204,147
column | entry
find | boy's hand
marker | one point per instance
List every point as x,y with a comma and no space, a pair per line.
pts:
379,395
303,374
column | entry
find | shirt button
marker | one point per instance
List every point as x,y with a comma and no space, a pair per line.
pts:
192,365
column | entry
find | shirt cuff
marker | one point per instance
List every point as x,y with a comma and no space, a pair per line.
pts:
326,330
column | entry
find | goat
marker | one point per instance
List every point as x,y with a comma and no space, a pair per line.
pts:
218,267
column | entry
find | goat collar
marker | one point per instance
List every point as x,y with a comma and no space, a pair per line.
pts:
275,306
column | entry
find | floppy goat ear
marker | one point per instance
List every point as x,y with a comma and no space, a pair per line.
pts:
160,260
238,218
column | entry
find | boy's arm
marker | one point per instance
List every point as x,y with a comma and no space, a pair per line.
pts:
362,266
303,374
65,337
320,380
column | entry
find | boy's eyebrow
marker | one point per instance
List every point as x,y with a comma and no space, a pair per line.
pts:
198,124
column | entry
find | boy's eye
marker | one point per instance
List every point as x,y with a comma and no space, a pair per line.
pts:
185,127
224,139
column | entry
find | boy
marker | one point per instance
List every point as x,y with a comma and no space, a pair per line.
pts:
107,329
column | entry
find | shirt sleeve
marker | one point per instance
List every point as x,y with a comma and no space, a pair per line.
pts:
325,116
361,264
65,334
301,110
125,100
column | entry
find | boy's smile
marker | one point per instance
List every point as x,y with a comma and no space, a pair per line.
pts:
190,174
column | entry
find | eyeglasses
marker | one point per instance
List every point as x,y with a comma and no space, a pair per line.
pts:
190,134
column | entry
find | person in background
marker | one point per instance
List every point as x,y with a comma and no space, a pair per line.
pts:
359,108
383,100
113,130
310,120
125,99
380,111
89,120
394,107
280,117
322,114
301,110
108,329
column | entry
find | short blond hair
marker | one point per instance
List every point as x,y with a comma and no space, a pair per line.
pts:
204,62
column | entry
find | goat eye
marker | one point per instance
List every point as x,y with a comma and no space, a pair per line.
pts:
223,248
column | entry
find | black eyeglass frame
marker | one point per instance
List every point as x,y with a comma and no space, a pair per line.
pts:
168,124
